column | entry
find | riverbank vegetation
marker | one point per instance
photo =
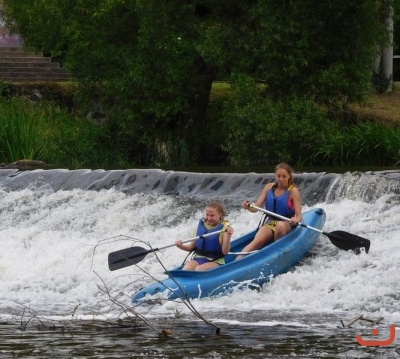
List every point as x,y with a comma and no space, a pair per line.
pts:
53,134
50,134
209,84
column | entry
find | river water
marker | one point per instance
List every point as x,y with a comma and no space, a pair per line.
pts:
58,298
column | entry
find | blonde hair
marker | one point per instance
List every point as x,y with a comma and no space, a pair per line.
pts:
218,206
288,169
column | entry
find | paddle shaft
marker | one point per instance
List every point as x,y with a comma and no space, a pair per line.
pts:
285,218
189,240
340,239
132,255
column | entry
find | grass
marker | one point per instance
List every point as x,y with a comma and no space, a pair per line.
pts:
384,108
219,90
21,133
48,133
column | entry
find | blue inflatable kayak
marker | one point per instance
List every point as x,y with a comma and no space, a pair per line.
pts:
253,270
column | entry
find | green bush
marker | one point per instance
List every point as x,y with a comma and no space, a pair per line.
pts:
265,131
6,89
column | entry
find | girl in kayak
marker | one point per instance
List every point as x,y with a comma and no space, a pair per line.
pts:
210,251
281,197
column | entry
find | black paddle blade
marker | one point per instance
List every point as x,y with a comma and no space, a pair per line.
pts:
126,257
346,241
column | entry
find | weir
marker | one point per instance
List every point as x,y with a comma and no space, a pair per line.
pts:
315,187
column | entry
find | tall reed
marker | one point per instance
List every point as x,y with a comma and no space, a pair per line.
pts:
363,144
20,131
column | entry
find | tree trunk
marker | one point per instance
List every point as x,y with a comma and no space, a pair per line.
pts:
387,52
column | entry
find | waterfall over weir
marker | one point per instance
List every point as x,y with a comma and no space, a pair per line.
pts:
58,227
315,187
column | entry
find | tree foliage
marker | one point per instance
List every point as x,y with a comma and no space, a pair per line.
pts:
265,131
152,63
322,49
396,28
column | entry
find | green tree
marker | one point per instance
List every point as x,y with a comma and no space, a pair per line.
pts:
396,27
322,49
152,63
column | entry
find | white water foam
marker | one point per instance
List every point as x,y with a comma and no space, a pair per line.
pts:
54,248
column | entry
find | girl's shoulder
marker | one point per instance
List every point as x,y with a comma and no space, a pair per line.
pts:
294,191
294,188
270,185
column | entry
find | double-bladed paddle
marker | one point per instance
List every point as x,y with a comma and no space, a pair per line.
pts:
133,255
340,239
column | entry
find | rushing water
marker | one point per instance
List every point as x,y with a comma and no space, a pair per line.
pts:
58,298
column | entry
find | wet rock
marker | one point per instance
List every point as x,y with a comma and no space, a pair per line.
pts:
25,165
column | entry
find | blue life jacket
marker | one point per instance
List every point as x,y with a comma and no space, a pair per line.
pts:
279,205
210,246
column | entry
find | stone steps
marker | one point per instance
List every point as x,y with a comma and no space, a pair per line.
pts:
18,65
8,64
24,60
